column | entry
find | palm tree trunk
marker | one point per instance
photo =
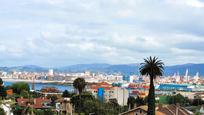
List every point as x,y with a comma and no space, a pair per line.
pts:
79,111
151,98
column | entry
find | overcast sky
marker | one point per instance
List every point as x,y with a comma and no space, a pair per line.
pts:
66,32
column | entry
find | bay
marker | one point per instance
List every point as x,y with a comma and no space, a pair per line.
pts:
39,86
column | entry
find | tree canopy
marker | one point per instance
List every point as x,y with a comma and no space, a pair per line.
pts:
79,84
66,94
1,82
131,102
20,86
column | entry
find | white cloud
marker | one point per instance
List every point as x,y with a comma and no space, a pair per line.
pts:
63,32
191,3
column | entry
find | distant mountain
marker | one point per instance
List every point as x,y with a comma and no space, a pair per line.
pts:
125,69
27,68
181,69
83,67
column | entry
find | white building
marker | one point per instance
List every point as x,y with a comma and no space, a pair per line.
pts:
196,77
121,94
51,72
186,77
132,78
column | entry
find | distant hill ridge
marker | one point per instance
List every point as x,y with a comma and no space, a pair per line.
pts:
125,69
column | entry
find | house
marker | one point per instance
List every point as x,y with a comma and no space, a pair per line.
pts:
160,110
141,110
64,106
50,91
174,110
36,103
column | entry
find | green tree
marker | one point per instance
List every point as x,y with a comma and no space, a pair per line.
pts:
131,102
80,85
90,106
75,100
17,110
48,112
66,94
3,93
35,94
24,94
197,101
2,111
152,67
19,87
1,82
39,112
177,99
139,101
53,99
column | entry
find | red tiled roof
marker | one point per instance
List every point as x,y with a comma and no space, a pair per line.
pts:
171,110
49,90
35,103
104,85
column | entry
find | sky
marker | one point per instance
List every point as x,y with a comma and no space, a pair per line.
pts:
65,32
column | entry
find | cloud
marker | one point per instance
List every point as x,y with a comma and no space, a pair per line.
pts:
64,32
191,3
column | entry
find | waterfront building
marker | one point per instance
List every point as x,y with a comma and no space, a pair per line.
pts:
50,91
174,87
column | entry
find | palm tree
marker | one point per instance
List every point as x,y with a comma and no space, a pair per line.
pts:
152,67
79,84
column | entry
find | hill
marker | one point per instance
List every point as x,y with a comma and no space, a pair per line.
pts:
125,69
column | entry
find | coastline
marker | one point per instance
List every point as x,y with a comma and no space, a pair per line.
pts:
37,81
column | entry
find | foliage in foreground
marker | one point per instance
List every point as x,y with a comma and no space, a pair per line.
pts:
20,87
89,104
2,111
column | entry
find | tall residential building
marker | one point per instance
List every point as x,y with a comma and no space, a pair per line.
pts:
186,77
121,94
51,73
196,77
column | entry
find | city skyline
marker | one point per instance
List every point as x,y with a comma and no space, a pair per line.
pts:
67,32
